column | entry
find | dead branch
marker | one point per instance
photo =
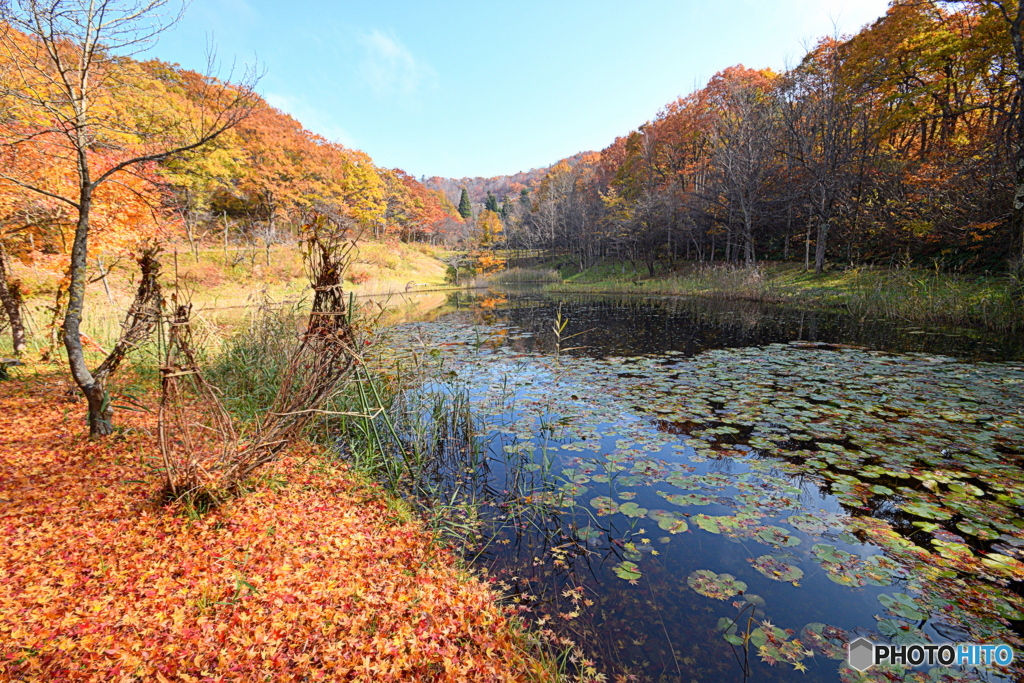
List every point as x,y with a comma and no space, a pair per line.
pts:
142,316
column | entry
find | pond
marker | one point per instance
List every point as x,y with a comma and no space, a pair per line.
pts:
708,491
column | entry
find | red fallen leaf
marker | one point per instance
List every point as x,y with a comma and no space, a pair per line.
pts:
116,569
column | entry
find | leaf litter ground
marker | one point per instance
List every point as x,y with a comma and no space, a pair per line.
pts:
311,576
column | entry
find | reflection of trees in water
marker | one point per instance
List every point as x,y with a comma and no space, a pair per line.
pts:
632,325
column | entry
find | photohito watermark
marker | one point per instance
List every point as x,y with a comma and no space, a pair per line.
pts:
862,654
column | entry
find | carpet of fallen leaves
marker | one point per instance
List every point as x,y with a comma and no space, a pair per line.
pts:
312,576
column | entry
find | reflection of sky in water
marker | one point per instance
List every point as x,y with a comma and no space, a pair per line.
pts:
577,414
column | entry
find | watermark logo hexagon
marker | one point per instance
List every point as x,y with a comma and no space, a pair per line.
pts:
860,654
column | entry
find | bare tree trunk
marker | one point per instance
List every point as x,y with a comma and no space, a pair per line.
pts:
807,248
10,295
819,247
99,407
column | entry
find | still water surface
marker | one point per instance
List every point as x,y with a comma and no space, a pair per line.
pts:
705,491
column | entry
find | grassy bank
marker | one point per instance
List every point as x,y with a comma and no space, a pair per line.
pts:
315,574
912,295
224,284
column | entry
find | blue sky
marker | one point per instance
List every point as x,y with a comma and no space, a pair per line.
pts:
484,88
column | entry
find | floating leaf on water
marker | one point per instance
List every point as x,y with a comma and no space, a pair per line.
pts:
672,522
627,570
776,537
712,585
926,510
902,605
809,524
604,505
1002,565
773,645
825,640
878,570
969,489
588,534
755,600
708,523
979,530
687,499
730,631
900,632
778,570
632,510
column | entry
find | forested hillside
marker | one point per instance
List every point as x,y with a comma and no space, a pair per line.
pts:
500,187
251,184
899,144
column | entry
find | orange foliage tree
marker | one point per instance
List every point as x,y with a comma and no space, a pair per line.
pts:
100,124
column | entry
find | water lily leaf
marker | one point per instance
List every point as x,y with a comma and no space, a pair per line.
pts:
1004,566
604,505
712,585
979,530
778,570
627,570
879,570
964,487
809,524
632,510
776,537
687,499
730,631
900,632
773,645
926,510
902,605
588,534
825,640
708,523
672,522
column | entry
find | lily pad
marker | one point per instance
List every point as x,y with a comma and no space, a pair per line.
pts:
778,570
926,510
776,537
900,632
632,510
712,585
627,570
809,524
604,505
825,640
902,605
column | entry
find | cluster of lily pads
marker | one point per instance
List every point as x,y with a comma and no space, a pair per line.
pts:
873,470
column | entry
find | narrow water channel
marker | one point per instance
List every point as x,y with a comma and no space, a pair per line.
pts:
705,491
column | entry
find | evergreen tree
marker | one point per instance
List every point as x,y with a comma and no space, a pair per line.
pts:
524,199
492,203
465,208
506,208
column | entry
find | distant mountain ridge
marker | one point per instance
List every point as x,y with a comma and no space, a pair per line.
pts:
500,186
